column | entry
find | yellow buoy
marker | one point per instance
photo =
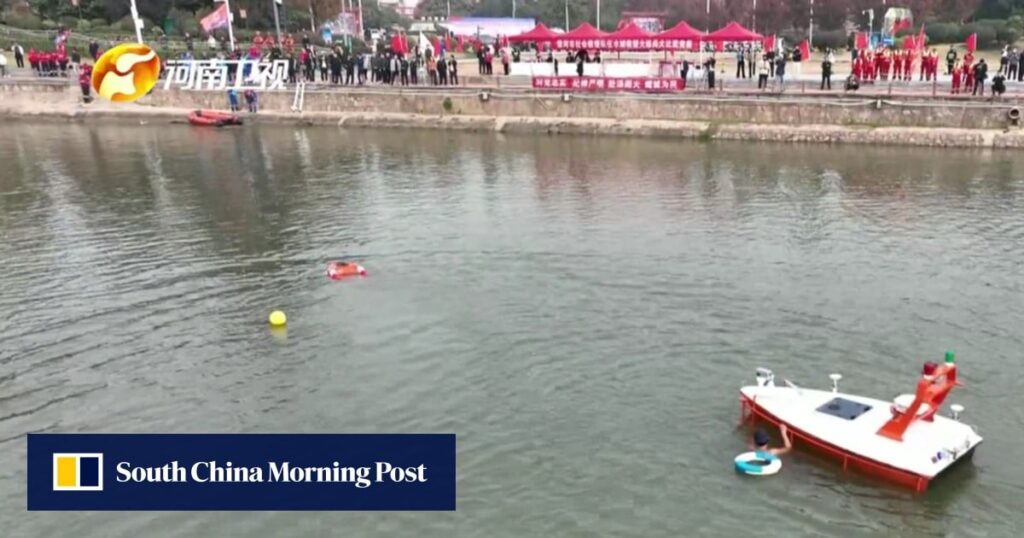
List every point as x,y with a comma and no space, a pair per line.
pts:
277,318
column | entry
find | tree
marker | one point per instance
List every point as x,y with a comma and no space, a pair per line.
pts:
439,8
374,16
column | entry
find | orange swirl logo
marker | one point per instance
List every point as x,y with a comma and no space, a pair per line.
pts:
126,72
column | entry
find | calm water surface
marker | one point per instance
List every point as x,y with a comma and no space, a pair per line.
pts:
581,312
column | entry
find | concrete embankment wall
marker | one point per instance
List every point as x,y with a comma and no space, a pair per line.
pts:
921,121
786,110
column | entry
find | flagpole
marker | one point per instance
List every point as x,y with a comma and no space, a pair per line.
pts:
361,35
598,25
753,25
277,22
810,28
566,15
137,21
513,9
231,32
707,17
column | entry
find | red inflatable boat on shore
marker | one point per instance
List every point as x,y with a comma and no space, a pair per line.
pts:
212,118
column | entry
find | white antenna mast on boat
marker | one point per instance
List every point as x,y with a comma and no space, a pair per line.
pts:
835,381
956,409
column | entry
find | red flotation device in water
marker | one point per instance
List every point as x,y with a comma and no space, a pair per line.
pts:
340,270
213,118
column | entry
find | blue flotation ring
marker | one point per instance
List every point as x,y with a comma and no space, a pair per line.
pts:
758,463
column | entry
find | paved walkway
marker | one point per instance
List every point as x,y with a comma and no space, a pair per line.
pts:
795,86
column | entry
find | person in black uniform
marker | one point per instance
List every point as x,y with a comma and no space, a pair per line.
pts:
998,85
350,69
709,66
980,75
826,71
453,70
442,71
335,61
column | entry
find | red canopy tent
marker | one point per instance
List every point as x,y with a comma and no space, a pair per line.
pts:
680,37
584,31
539,34
630,31
732,32
583,36
630,37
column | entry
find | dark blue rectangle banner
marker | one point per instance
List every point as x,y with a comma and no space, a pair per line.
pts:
241,472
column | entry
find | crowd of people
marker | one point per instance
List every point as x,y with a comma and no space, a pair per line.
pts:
338,65
59,62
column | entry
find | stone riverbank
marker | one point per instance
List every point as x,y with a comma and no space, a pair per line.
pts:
859,120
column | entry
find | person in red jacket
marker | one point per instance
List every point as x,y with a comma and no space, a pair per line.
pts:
85,81
968,74
957,74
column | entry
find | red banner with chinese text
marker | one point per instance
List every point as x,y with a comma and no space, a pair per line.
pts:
611,44
609,84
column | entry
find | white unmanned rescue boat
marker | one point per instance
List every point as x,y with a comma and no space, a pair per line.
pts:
905,441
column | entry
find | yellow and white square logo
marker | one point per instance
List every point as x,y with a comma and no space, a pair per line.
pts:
78,472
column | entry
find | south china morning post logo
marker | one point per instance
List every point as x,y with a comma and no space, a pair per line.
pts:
202,472
166,472
77,472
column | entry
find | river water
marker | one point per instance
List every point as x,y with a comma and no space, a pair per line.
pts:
579,311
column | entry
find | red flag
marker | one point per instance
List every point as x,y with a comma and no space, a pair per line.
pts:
921,38
861,42
971,42
909,43
448,42
769,43
461,43
396,44
719,46
900,24
436,43
805,50
217,19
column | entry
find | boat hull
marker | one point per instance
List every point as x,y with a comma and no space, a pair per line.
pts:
809,433
211,118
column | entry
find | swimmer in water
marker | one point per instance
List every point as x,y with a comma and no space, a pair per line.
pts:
761,442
